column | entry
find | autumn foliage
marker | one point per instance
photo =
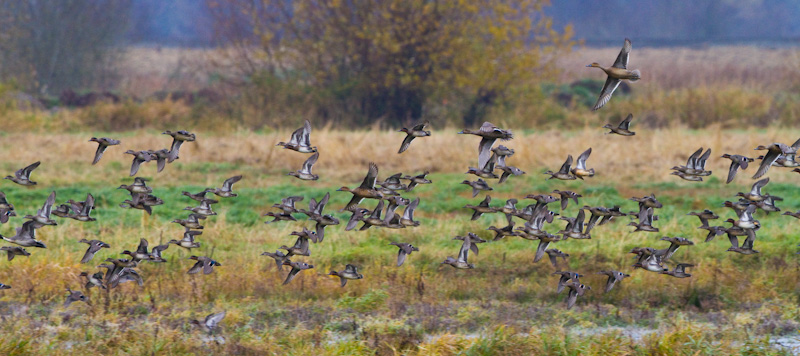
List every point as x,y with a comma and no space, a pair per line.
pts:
398,60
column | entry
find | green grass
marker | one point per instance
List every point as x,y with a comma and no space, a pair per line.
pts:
732,304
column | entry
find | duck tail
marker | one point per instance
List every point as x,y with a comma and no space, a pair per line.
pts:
636,75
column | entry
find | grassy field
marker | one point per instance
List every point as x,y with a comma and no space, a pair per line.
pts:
733,304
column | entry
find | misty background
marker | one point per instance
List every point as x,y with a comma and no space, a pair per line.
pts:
597,22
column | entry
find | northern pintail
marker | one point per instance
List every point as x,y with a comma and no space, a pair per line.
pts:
617,72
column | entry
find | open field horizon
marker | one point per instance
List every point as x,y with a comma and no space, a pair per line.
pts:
507,305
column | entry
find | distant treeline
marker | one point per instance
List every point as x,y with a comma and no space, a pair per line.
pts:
680,23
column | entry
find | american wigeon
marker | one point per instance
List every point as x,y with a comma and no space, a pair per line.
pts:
300,140
23,176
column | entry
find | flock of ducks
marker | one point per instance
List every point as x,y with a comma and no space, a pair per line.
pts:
492,164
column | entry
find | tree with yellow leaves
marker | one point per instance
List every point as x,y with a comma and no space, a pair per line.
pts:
397,60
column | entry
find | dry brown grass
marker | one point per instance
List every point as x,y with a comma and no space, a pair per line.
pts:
642,158
146,70
753,68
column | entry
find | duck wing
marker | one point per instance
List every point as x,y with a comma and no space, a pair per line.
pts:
227,186
88,205
578,226
213,320
208,266
372,175
625,124
47,208
351,269
406,143
297,136
605,94
624,55
581,163
321,205
732,171
25,173
401,257
701,163
135,165
485,150
772,155
196,268
305,134
99,153
756,189
692,161
408,213
463,253
610,283
142,246
567,164
540,250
